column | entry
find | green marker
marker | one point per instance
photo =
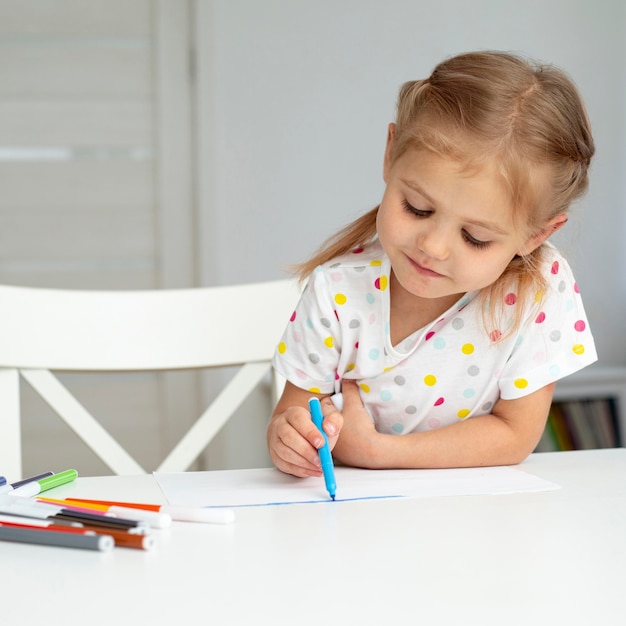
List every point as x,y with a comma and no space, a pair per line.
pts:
49,482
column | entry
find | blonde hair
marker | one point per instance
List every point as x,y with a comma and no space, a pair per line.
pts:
493,106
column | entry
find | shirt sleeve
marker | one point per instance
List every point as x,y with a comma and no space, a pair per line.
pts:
308,353
555,340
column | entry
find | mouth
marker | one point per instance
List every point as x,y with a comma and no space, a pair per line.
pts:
424,270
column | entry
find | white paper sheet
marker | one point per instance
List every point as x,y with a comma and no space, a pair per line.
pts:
270,487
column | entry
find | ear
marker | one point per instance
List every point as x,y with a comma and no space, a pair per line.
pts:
545,233
391,136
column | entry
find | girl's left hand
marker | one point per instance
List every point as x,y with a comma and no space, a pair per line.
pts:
356,445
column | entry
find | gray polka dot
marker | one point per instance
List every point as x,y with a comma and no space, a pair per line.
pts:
335,265
457,323
399,380
360,268
562,286
487,406
555,335
473,370
354,323
325,322
411,410
314,358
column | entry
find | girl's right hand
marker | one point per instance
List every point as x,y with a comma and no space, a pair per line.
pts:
293,439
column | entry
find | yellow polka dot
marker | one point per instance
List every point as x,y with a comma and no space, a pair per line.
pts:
539,295
340,298
468,348
282,348
383,281
376,263
314,390
521,383
328,342
579,348
430,380
463,413
365,387
351,366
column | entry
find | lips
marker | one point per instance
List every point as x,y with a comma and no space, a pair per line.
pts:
425,271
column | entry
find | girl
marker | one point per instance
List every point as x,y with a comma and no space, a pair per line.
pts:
443,316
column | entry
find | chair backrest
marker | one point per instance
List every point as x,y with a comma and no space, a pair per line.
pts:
58,330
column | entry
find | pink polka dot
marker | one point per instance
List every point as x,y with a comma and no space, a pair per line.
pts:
372,318
336,375
439,401
293,317
540,318
357,250
555,267
429,334
576,290
580,326
433,422
494,335
356,345
297,337
336,276
300,374
336,314
510,298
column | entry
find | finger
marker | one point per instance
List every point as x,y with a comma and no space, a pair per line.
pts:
350,392
333,419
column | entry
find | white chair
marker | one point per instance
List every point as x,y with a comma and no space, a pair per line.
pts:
46,331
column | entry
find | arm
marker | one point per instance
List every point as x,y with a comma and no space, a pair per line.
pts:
293,439
504,437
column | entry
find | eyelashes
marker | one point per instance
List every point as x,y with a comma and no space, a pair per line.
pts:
423,213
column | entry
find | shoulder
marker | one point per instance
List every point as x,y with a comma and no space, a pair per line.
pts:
371,255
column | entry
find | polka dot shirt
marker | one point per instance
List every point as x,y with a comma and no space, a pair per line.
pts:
450,370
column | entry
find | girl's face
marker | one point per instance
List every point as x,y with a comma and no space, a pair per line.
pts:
446,231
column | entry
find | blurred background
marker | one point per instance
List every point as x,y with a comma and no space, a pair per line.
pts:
175,143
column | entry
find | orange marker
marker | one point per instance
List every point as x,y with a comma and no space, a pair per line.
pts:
217,515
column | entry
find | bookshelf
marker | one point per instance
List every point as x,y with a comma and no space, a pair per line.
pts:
588,411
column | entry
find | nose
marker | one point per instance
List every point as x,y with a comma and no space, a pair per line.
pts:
433,240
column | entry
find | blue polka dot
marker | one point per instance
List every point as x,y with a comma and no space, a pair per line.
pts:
439,343
387,328
385,395
397,428
469,393
309,323
555,370
370,298
373,354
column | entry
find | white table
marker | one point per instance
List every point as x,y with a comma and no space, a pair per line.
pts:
555,557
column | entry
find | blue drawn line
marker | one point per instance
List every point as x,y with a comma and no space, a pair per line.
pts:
232,506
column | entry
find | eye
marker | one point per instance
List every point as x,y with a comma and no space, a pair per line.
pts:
475,243
414,210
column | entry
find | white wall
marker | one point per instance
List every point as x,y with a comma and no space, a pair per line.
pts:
296,100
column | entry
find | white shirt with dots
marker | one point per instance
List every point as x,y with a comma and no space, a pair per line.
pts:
449,370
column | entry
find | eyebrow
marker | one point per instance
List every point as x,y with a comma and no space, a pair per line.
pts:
492,226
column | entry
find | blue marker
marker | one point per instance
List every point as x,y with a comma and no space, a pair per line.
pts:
3,481
325,457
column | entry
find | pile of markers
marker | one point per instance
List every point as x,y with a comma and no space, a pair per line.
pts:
28,517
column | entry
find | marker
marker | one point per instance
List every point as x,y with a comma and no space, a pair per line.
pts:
35,487
155,519
43,536
120,537
43,510
178,513
3,481
326,458
9,488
